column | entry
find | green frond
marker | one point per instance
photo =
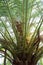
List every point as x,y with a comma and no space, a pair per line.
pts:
39,54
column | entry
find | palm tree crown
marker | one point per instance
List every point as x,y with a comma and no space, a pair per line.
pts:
17,41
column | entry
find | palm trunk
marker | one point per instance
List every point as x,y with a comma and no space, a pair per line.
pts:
24,60
23,63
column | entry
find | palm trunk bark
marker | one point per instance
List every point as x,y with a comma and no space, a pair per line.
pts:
23,63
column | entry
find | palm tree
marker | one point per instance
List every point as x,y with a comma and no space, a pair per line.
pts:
17,43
